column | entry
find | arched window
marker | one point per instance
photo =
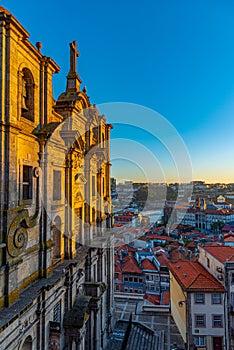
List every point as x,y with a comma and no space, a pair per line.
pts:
27,94
27,345
57,238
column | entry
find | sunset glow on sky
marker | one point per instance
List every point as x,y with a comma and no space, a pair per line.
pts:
173,57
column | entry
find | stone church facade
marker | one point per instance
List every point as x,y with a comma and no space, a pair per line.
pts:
56,251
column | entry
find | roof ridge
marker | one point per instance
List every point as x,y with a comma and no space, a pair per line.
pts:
196,277
207,276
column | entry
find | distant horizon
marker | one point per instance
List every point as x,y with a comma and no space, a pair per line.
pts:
171,182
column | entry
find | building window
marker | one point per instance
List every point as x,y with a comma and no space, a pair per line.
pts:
199,340
57,312
200,321
117,288
165,279
232,278
199,298
217,321
27,95
57,176
93,186
208,262
216,298
27,182
116,275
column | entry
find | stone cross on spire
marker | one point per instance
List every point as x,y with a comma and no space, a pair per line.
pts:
73,79
74,53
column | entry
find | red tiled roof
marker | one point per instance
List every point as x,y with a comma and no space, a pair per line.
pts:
166,297
118,264
220,252
156,236
154,299
193,276
229,239
176,255
162,258
148,265
127,264
131,265
191,245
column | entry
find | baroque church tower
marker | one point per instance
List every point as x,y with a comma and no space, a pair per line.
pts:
56,247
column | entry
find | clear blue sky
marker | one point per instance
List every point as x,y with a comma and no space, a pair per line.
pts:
175,57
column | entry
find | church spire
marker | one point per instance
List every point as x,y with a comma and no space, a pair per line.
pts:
73,80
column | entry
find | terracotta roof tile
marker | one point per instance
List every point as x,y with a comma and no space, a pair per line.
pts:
148,265
166,298
229,239
127,264
154,299
193,276
220,252
162,258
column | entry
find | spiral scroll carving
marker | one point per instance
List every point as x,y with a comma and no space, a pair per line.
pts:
17,240
20,238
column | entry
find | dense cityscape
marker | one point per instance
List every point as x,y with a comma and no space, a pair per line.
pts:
181,268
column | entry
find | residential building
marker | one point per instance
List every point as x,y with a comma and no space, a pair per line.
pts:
198,306
203,216
219,261
56,253
141,271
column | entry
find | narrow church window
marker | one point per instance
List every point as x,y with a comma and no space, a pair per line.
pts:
27,182
57,312
57,185
27,95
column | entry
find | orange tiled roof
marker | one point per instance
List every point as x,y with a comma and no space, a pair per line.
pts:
162,258
156,236
229,239
148,265
152,298
127,264
193,276
166,297
220,252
